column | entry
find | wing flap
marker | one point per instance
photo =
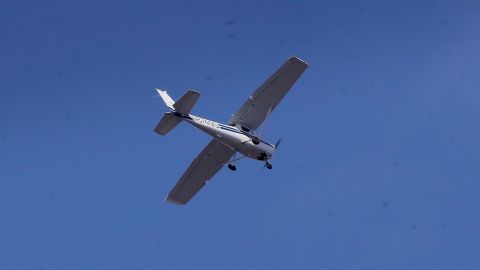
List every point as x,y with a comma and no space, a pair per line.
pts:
203,168
254,111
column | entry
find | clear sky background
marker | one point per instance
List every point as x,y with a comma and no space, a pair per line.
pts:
379,166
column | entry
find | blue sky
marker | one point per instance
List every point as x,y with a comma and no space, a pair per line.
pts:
378,167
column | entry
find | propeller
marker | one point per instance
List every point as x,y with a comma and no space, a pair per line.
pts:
268,165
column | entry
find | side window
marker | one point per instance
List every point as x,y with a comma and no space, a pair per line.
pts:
245,129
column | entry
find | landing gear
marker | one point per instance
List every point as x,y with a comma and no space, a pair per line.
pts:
232,167
268,165
255,140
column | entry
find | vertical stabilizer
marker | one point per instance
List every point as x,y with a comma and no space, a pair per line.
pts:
166,98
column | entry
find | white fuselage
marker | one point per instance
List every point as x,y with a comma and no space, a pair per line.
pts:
233,137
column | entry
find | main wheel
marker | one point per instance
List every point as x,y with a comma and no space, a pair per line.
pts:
232,167
268,165
255,140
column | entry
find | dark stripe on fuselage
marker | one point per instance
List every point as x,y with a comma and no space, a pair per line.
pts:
186,116
224,127
232,129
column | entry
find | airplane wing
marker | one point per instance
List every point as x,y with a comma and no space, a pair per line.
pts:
202,169
269,94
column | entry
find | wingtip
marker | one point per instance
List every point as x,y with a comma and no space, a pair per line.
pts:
297,59
194,91
172,200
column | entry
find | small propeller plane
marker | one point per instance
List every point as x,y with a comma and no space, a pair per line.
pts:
237,136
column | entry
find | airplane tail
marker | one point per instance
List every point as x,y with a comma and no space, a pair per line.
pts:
183,106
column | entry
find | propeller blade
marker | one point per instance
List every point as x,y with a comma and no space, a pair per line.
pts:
278,143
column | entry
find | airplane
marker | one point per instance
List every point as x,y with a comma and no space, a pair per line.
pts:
238,136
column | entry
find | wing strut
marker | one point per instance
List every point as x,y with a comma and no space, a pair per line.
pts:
260,135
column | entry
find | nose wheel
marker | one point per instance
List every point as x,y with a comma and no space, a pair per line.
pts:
232,167
268,165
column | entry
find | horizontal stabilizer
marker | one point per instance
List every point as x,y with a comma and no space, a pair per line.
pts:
167,123
185,104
